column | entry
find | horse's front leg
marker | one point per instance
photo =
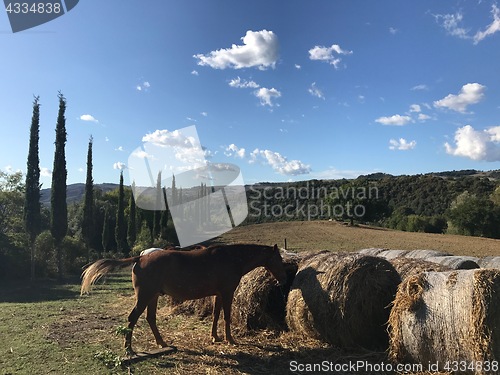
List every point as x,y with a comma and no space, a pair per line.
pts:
227,301
215,318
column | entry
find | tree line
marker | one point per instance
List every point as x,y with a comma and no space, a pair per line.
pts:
38,241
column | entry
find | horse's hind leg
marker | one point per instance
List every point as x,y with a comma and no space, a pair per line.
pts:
136,312
151,318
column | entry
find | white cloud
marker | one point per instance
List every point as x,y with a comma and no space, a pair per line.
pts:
89,118
187,149
297,66
423,117
144,86
401,144
243,84
492,28
280,163
420,87
119,165
476,144
120,148
204,114
259,49
415,108
451,23
232,149
470,93
141,154
314,91
393,30
80,169
328,54
397,120
266,95
195,72
45,172
106,139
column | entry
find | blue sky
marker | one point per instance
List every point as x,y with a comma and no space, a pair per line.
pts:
287,90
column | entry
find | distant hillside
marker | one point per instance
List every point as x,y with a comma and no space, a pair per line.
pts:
75,192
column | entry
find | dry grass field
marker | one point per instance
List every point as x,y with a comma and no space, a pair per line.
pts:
49,329
331,235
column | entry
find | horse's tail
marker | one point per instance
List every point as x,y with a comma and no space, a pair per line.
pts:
100,268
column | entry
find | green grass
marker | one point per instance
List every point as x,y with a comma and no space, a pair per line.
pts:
42,327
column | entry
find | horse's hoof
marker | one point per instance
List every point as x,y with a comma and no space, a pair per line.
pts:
231,342
162,344
129,352
216,339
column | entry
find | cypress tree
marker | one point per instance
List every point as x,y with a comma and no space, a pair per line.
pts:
121,229
107,240
157,212
32,217
59,209
132,222
88,204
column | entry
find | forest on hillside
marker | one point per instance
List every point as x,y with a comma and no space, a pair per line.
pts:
458,203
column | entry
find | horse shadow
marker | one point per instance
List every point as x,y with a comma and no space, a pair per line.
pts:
37,291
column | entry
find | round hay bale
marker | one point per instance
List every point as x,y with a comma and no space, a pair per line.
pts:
440,317
343,299
422,254
393,254
202,307
489,262
407,267
456,262
373,251
261,304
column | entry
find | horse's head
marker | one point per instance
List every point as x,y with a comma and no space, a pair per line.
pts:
275,265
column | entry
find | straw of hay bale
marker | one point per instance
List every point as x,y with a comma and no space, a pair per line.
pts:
393,254
489,262
447,316
456,262
259,303
373,251
343,299
422,254
407,267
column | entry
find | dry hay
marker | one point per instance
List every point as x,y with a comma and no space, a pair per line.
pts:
456,262
489,262
259,303
447,316
393,254
410,267
373,251
343,299
422,254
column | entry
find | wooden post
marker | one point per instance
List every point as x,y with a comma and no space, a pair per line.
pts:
285,244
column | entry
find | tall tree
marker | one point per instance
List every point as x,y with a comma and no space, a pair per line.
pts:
88,226
121,229
32,217
59,209
158,205
132,222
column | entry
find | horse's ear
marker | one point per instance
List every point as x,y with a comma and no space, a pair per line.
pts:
275,247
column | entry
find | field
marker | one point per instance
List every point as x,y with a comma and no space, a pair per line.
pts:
47,328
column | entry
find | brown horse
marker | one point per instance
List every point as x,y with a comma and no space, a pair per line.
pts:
184,275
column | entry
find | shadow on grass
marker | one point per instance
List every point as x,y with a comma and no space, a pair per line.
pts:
25,291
